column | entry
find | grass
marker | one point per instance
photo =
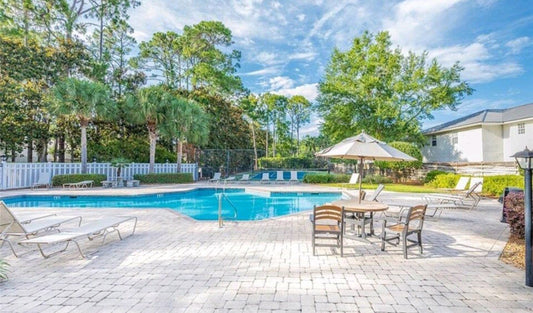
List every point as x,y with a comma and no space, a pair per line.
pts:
390,187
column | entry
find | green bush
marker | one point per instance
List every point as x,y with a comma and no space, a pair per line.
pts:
430,176
59,180
445,181
325,178
402,170
494,185
377,179
164,178
291,163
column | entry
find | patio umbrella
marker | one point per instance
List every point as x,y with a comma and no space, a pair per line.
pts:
364,147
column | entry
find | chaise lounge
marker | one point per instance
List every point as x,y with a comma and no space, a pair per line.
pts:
79,185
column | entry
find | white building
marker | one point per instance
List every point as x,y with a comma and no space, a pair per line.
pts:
485,136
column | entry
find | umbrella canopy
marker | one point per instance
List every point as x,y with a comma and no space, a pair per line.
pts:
364,147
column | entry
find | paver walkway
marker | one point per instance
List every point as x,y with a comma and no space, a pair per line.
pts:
174,264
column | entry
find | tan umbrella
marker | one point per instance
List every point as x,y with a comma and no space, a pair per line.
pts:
364,147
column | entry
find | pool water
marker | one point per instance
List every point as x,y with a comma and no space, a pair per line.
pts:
200,204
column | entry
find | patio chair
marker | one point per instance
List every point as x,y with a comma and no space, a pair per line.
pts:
245,178
475,180
468,200
230,179
216,178
279,177
92,230
413,224
294,177
11,226
375,194
328,224
265,178
461,185
43,180
79,185
354,179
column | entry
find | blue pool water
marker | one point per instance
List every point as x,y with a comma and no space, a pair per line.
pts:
200,204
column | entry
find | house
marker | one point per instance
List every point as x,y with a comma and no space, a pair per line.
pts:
485,136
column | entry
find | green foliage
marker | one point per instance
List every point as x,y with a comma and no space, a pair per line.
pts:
402,169
515,215
430,176
379,89
319,178
445,181
495,185
292,162
377,179
164,178
59,180
3,269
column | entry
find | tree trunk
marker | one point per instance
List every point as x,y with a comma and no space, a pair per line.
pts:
61,149
179,156
297,139
266,146
30,151
84,124
153,140
255,146
43,151
55,149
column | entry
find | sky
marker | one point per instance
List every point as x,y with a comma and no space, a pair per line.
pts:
286,45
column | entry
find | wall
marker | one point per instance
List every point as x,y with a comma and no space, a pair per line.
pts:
514,142
492,143
467,149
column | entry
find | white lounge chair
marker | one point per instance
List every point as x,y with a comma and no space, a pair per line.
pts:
216,178
81,184
245,178
469,200
100,228
279,177
43,180
475,180
265,178
461,185
294,177
11,226
230,179
374,196
354,179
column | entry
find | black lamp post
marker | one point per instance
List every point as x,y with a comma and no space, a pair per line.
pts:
525,161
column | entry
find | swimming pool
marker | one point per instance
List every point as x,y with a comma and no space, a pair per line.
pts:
200,204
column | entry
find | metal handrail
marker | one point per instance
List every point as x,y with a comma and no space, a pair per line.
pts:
220,197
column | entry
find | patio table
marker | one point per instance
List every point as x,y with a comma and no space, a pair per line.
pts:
361,209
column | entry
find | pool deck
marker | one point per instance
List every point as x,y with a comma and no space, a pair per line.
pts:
175,264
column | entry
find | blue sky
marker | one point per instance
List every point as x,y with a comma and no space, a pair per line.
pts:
286,45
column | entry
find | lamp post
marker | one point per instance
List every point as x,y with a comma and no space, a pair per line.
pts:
524,159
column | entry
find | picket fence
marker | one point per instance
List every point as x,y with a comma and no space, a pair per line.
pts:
24,175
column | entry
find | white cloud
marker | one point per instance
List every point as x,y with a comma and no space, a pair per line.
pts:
309,91
267,58
261,72
300,17
516,45
303,56
280,82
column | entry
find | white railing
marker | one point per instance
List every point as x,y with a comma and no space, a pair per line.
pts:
24,175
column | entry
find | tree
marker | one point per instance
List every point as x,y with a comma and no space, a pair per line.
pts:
275,107
84,100
375,88
153,107
299,111
402,169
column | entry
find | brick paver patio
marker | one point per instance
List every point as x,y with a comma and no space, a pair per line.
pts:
175,264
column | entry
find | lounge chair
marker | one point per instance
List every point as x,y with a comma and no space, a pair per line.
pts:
279,177
461,185
413,225
133,183
216,178
475,180
44,180
230,179
79,185
265,178
328,224
469,200
354,179
374,196
92,230
11,226
245,178
294,177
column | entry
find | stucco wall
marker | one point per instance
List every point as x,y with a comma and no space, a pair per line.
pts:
514,142
469,147
492,143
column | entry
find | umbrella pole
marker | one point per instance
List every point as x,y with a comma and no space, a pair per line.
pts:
360,178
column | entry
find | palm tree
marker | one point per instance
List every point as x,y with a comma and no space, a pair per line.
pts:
152,106
84,100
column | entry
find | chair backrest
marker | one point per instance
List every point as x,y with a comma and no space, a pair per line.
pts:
279,175
294,175
44,178
461,184
8,221
354,178
216,176
266,176
374,196
475,180
415,217
245,177
473,189
328,213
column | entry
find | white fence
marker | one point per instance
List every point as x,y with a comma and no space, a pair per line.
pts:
24,175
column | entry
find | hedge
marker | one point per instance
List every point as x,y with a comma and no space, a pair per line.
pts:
377,179
164,178
59,180
326,178
291,163
445,181
494,185
430,176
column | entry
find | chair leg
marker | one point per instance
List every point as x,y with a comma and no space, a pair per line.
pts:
342,244
383,234
404,239
313,243
419,234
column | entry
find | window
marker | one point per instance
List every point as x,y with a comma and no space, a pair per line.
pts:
433,141
455,140
521,128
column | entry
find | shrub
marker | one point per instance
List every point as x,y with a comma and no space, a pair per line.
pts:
494,185
377,179
3,269
430,176
514,210
291,163
325,178
403,169
59,180
164,178
445,181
